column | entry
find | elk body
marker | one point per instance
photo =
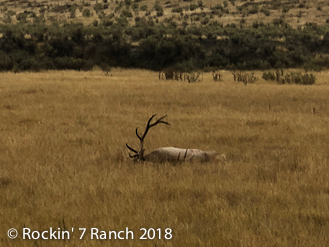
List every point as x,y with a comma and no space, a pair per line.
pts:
171,154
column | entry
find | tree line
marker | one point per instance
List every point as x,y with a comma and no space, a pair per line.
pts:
145,45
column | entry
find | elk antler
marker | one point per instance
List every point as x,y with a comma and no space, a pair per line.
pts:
133,150
139,155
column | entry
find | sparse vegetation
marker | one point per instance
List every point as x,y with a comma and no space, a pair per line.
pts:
287,78
266,11
269,75
98,7
193,7
144,8
274,39
127,13
177,10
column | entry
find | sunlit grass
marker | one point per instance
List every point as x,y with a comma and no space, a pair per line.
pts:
64,164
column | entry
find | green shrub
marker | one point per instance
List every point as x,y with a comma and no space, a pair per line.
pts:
72,63
269,75
29,63
135,6
143,8
21,16
285,9
277,21
127,13
205,20
160,13
308,79
215,12
266,12
177,10
158,7
193,7
98,7
217,7
311,66
253,11
5,62
107,23
10,13
86,13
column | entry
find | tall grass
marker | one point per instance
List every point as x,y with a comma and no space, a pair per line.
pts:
63,161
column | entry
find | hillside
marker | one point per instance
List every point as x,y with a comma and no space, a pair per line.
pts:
186,35
186,12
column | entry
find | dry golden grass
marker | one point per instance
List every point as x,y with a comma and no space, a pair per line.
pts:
64,164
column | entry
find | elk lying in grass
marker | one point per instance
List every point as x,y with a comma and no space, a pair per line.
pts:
171,154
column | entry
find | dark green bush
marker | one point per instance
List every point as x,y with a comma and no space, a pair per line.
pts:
72,63
5,62
269,75
86,13
193,7
266,12
127,13
160,13
143,8
177,10
98,7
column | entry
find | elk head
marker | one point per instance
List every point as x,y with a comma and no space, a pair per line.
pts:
139,155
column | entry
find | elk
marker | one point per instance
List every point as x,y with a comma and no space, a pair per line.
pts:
170,154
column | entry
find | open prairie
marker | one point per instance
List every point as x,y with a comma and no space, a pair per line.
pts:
64,164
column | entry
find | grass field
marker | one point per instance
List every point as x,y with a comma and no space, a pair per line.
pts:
64,164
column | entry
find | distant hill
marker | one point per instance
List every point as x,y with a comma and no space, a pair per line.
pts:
182,12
